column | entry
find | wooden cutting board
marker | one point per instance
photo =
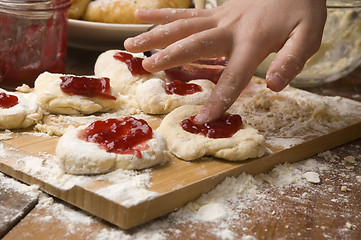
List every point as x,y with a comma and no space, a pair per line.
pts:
176,182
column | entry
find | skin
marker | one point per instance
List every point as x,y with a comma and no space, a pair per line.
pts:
244,31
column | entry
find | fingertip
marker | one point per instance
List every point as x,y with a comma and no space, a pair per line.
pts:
200,119
203,116
285,67
150,64
276,82
139,12
128,44
139,43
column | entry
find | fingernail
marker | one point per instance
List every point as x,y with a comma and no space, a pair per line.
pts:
276,82
200,119
128,41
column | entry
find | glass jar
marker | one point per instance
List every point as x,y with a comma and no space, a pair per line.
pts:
33,39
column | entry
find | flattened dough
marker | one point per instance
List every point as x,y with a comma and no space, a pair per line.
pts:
81,157
24,114
120,77
152,97
54,100
244,144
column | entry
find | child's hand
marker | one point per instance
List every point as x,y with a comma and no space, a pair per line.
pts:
244,31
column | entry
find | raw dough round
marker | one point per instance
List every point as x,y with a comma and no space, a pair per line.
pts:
81,157
152,97
24,114
120,77
54,100
122,11
244,144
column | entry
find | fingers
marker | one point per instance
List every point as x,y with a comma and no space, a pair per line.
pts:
189,49
290,60
164,35
234,79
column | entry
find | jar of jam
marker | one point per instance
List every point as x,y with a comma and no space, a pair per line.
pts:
33,39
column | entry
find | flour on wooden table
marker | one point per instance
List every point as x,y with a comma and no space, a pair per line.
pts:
220,206
312,177
10,183
129,186
216,206
289,117
10,212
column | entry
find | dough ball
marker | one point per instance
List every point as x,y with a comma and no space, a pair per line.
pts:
153,99
120,77
81,157
54,100
25,113
244,144
122,11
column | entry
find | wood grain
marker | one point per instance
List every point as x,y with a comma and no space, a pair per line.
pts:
14,205
177,182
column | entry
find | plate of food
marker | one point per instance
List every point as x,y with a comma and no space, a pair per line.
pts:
102,25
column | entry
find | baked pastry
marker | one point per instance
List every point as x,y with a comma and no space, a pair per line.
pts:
122,11
77,8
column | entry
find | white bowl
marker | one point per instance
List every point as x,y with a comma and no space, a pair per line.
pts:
340,51
101,36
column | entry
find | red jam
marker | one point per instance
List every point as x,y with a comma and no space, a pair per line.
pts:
223,127
128,136
8,100
182,88
33,40
87,86
201,69
134,63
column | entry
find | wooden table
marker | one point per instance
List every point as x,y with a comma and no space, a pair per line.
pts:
329,210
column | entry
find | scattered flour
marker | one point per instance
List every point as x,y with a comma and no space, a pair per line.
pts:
10,183
211,212
226,234
220,206
285,143
128,187
312,177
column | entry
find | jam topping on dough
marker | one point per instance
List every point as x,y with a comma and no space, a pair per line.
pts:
182,88
134,63
127,136
223,127
87,86
8,100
